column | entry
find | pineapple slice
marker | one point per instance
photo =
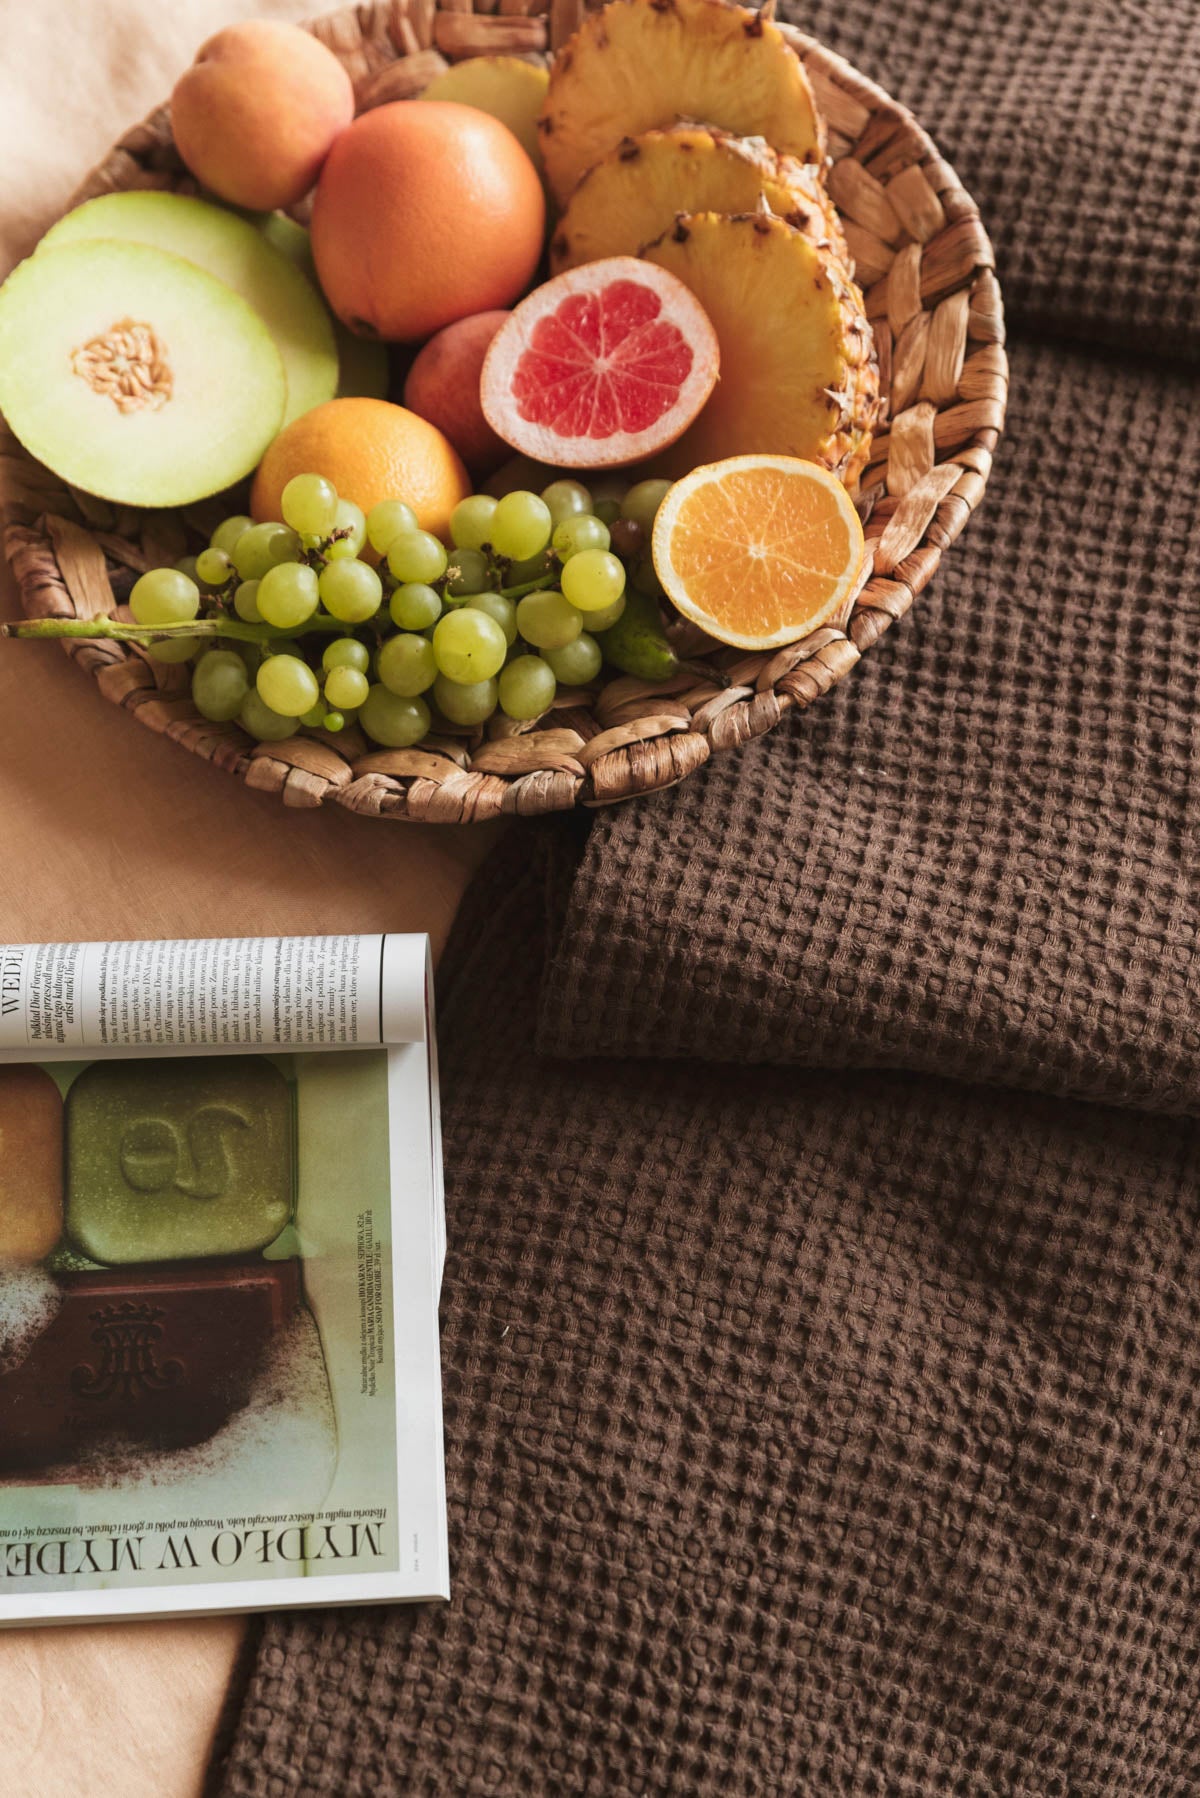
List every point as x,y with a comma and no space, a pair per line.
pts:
640,63
633,195
798,369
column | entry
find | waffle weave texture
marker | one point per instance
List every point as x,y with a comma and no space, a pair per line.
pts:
822,1311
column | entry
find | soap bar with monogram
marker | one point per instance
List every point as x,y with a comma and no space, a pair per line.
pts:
31,1164
153,1358
173,1158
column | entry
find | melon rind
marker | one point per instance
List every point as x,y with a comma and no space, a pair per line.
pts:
230,248
227,390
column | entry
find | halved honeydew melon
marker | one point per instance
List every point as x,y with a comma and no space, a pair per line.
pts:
135,375
231,249
363,368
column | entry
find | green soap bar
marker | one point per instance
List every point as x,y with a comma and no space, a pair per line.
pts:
167,1160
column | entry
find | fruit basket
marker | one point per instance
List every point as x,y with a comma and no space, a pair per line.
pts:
925,266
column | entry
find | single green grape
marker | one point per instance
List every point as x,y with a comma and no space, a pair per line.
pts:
566,499
641,503
219,685
576,663
462,704
282,646
503,610
346,687
346,652
287,685
188,565
471,521
229,530
527,687
245,602
593,579
395,721
164,596
386,521
257,717
466,572
547,620
607,510
469,646
604,621
350,591
414,607
350,519
265,546
214,567
582,532
406,665
335,721
521,526
309,504
288,595
315,715
417,556
179,649
645,579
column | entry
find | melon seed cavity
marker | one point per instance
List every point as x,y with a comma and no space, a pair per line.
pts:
129,364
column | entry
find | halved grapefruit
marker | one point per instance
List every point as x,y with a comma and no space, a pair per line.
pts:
603,365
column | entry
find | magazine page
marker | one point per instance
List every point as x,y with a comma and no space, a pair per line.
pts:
219,1370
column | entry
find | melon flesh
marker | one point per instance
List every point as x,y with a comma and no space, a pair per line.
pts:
637,64
633,195
230,248
799,376
135,375
363,368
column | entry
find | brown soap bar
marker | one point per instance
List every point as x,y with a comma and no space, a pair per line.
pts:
155,1357
31,1164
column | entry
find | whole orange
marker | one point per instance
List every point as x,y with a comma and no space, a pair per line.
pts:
371,451
425,212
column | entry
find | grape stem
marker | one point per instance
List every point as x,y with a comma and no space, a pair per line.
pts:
119,632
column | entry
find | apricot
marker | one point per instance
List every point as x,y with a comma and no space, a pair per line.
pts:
443,387
256,114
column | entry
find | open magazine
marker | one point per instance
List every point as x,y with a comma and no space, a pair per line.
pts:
222,1230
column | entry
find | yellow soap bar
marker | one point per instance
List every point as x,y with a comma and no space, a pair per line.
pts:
31,1164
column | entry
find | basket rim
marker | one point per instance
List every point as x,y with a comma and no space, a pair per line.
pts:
937,312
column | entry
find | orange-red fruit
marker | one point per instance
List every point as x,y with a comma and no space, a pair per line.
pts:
426,211
371,451
603,365
443,386
255,115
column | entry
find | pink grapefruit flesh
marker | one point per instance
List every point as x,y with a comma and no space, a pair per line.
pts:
603,365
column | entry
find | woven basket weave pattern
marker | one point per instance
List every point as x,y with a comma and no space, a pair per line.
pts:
926,267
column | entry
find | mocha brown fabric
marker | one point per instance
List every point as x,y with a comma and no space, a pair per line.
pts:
822,1311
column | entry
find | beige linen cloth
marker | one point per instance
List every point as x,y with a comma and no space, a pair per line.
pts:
108,831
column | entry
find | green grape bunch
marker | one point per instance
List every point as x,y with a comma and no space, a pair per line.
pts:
327,617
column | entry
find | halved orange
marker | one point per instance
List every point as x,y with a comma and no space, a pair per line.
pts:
758,550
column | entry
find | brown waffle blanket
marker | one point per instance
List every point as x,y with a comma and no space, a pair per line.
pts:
822,1315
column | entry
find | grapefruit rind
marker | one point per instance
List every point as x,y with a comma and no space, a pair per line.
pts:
518,354
819,589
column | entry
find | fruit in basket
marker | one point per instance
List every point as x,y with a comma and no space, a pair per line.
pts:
509,89
600,366
798,369
637,64
256,114
635,192
443,387
758,550
371,451
231,249
425,212
363,371
135,375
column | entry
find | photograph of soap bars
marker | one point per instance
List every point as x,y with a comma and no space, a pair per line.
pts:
138,1311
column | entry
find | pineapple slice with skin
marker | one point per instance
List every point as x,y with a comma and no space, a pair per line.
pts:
635,192
799,375
637,64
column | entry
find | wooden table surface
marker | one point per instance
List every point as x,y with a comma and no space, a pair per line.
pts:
109,831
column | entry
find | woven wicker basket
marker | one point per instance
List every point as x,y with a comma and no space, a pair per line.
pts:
926,266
